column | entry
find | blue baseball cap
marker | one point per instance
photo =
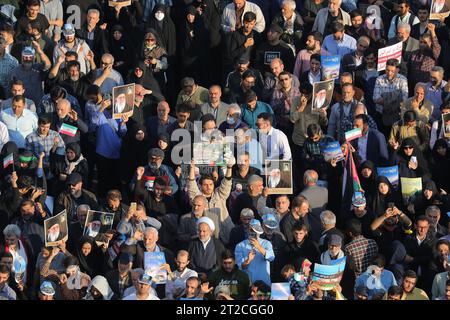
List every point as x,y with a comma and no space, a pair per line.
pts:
270,221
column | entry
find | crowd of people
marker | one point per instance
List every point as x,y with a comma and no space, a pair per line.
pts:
239,74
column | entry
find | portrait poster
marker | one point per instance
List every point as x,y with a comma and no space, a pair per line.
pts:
328,277
391,52
123,101
330,67
214,152
439,9
322,94
152,266
55,229
446,124
280,291
391,173
98,222
279,176
123,3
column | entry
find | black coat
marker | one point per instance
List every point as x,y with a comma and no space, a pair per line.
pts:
100,41
295,253
219,248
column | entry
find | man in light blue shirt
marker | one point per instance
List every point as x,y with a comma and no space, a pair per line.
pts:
254,254
19,121
106,77
338,43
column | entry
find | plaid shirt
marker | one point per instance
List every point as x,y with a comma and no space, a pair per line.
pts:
122,283
37,144
420,64
383,85
312,148
362,250
7,64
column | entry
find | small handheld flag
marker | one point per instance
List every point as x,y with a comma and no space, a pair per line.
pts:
9,159
67,129
353,134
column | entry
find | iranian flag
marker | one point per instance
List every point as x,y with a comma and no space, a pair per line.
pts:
9,159
353,134
69,130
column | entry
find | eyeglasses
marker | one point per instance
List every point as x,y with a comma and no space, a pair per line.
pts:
408,147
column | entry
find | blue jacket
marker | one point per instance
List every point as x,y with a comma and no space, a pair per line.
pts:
249,116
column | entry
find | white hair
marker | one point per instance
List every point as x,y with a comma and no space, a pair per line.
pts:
234,107
404,25
290,3
93,10
12,230
152,230
328,218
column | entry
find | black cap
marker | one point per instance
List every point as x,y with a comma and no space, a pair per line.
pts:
125,258
74,178
156,152
243,59
276,28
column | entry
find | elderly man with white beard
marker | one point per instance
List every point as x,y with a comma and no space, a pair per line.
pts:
205,251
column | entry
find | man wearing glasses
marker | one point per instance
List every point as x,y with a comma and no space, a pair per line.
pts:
106,77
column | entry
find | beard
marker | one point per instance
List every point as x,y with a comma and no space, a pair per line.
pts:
120,107
319,102
274,181
27,65
53,236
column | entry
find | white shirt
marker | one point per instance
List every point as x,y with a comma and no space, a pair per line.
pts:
19,127
134,297
279,145
4,135
205,244
178,280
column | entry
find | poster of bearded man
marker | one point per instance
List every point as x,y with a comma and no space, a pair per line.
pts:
55,229
123,100
322,94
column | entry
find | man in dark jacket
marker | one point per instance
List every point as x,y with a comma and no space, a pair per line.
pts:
205,251
74,196
120,279
372,144
94,36
276,238
230,275
240,232
419,248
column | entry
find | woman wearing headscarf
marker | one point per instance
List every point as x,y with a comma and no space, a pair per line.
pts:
430,197
163,143
194,47
133,153
63,165
99,289
162,23
121,47
143,75
155,56
91,257
385,195
410,160
440,164
367,177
